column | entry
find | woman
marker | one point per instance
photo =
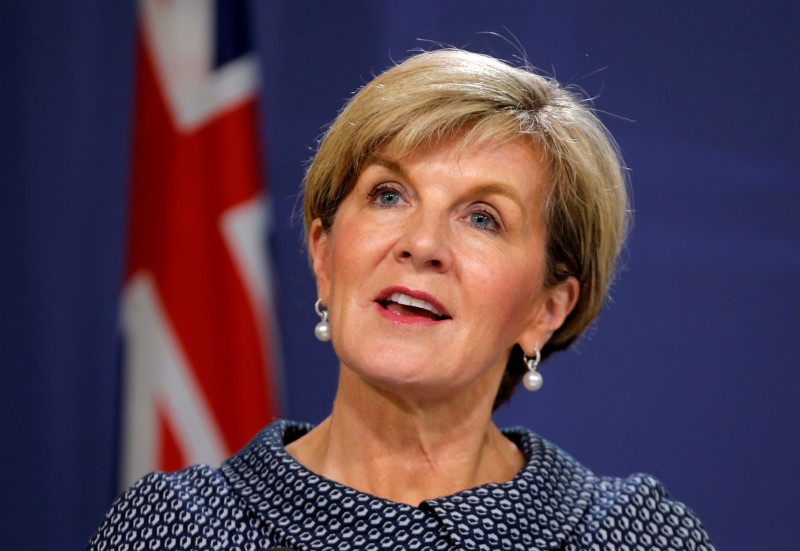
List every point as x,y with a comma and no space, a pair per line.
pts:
463,221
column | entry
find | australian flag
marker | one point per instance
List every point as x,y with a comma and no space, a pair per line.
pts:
200,363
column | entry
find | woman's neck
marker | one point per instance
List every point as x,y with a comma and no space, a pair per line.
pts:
381,445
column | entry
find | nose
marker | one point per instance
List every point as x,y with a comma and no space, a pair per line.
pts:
425,241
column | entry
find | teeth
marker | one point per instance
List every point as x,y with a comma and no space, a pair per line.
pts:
406,300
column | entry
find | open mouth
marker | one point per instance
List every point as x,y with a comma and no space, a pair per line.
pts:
407,306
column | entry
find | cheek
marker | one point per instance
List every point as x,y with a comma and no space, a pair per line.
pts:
508,289
354,250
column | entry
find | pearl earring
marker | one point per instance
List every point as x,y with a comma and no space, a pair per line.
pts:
532,379
323,329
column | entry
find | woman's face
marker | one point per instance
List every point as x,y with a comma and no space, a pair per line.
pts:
433,268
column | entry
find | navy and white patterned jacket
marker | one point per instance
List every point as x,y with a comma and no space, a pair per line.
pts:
262,498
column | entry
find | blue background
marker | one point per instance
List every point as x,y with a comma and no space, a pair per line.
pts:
692,371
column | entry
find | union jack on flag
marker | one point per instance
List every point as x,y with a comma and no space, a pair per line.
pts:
199,372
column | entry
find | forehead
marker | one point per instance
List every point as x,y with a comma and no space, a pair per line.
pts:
515,161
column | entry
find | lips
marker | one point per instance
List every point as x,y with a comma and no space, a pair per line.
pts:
404,304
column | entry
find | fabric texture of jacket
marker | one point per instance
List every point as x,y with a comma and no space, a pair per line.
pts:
262,498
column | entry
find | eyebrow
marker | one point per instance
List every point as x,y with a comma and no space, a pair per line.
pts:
385,162
493,188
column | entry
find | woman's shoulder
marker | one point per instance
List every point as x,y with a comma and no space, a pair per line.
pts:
638,510
182,510
631,512
196,507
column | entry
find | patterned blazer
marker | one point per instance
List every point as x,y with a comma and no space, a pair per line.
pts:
262,498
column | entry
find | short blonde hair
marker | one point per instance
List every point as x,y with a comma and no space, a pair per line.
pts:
435,95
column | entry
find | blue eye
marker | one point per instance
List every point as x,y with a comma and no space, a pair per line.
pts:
385,195
389,198
483,220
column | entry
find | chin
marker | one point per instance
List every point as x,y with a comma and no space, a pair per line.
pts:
399,377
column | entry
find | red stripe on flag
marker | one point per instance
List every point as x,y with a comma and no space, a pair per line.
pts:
170,457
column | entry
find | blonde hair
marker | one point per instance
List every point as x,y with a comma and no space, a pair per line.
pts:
435,95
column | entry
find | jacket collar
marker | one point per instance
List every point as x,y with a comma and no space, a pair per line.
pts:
538,509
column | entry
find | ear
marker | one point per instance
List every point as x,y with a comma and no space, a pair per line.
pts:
549,315
318,246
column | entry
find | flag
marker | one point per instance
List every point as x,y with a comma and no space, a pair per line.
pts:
199,368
